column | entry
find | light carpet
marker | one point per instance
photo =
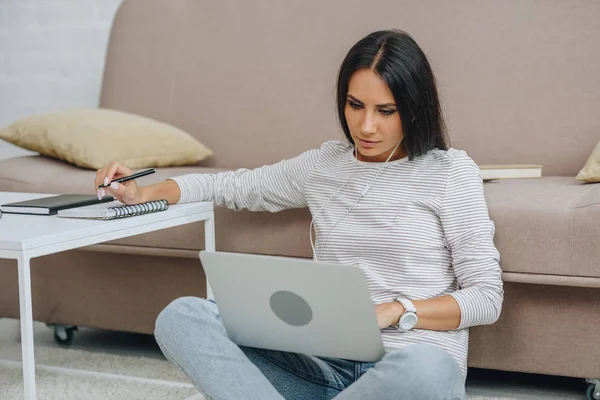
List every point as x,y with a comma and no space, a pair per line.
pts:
68,374
63,374
105,376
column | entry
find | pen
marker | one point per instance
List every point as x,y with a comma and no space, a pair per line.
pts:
130,177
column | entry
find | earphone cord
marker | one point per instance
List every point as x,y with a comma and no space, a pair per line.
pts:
364,192
321,209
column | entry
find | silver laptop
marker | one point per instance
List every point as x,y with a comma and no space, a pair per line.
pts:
295,305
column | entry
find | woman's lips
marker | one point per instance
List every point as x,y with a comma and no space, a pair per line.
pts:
367,144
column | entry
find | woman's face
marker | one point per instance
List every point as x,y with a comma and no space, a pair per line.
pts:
372,117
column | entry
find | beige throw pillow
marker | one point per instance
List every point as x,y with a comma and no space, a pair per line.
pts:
91,138
591,170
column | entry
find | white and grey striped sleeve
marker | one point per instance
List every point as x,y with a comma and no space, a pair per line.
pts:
271,188
469,233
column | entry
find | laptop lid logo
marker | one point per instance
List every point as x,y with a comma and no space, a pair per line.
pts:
291,308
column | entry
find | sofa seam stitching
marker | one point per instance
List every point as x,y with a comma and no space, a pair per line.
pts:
587,205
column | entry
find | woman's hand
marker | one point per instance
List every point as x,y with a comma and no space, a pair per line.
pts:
388,314
127,192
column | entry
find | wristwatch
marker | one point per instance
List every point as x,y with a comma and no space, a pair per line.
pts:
409,319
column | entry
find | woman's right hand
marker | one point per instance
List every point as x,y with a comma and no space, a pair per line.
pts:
127,192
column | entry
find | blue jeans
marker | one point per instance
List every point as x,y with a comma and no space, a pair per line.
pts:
191,334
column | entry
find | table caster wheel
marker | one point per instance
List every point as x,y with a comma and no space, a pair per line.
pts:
63,334
593,392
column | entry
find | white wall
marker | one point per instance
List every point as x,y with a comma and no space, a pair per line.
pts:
51,56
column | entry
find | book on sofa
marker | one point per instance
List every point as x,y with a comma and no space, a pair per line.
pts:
508,171
114,210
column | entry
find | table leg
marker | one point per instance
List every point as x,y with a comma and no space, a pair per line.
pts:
26,315
209,237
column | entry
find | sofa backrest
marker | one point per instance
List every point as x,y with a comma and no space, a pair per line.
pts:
255,80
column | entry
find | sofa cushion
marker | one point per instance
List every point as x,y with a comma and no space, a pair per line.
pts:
591,170
40,174
91,138
546,226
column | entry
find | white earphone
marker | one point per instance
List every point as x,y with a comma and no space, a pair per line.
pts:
363,193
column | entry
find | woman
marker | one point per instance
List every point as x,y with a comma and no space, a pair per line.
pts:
394,200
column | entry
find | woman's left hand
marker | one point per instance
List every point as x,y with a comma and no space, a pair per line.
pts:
388,313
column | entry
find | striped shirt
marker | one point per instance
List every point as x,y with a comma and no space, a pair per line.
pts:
420,229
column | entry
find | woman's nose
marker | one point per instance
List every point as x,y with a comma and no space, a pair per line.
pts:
368,125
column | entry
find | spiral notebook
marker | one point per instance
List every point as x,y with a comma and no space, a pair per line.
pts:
114,210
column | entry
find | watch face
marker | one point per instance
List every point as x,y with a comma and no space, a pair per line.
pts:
408,321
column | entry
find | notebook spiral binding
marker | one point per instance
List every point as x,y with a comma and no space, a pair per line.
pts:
139,209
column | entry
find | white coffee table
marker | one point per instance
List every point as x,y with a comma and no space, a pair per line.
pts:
23,237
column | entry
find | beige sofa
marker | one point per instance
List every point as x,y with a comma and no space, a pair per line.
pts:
254,81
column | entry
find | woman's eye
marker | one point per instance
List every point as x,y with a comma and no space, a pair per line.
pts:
387,112
354,105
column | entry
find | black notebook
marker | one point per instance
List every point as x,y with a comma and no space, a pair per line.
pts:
114,210
51,205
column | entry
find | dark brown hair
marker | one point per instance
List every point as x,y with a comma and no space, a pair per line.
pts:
403,66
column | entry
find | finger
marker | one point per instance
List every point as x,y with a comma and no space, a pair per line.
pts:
100,174
100,193
117,190
112,169
98,181
116,171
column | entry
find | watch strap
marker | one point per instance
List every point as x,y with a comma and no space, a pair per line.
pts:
407,304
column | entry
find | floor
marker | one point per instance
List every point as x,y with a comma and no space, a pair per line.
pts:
479,382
